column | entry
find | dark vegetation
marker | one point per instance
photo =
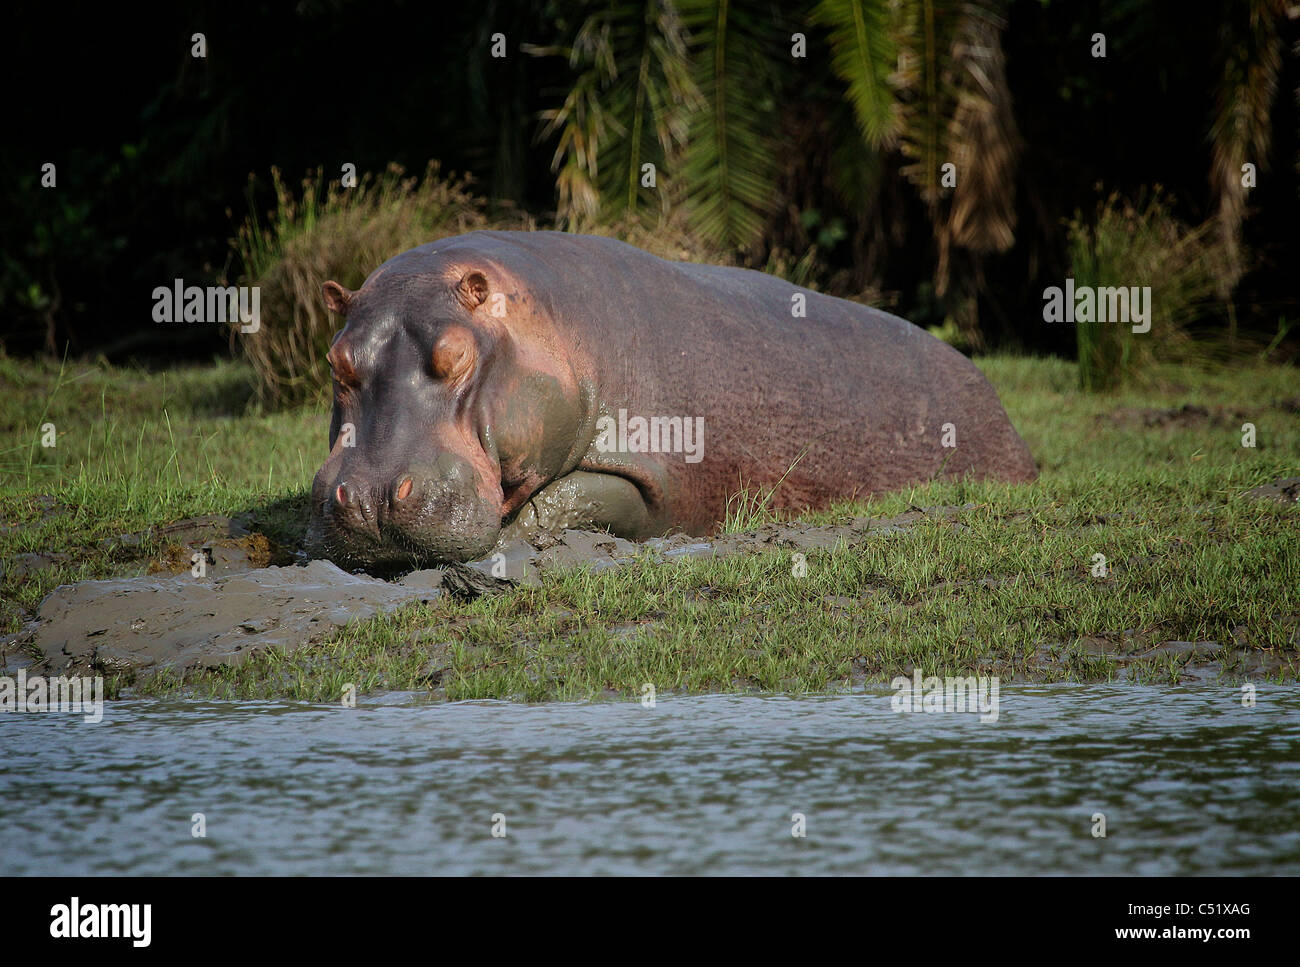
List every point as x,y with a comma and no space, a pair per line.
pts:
823,168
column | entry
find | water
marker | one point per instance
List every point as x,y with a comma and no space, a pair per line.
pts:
1189,781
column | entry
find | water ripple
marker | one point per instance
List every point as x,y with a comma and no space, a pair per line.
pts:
1189,782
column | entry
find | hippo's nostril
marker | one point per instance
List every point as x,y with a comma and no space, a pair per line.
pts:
343,495
403,489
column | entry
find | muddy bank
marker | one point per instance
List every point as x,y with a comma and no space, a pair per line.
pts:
182,622
1285,490
1197,661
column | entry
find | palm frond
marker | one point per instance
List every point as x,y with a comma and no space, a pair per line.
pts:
855,173
580,123
864,53
653,95
631,92
728,163
982,141
1240,131
928,32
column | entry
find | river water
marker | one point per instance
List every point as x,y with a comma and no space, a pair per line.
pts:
1188,780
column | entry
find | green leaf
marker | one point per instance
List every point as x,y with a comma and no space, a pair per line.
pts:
864,52
729,165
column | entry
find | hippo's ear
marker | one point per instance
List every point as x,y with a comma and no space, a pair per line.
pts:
337,298
472,289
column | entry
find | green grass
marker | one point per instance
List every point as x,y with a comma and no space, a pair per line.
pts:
1003,588
751,507
136,449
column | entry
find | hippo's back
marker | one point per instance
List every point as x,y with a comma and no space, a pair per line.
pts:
858,397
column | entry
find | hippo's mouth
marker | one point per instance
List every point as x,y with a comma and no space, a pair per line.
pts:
384,558
382,542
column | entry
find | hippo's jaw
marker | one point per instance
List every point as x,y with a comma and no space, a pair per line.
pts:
386,550
382,558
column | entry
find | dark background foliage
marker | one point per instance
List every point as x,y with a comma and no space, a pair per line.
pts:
154,148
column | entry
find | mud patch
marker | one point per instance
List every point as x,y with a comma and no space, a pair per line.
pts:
525,562
181,622
223,556
131,624
222,545
1179,417
1285,490
1139,657
25,565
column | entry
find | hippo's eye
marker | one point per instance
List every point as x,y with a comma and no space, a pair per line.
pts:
340,363
453,353
342,390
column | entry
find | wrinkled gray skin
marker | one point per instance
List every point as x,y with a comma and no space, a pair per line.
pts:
472,372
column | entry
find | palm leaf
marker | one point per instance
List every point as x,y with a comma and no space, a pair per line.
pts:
580,123
1240,129
928,31
627,106
982,141
864,52
728,165
652,96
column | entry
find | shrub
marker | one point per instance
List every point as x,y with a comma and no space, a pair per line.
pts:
1141,244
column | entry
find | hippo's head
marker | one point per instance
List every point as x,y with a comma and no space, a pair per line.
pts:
449,414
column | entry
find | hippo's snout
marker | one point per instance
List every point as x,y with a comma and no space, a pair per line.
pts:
360,507
354,507
418,515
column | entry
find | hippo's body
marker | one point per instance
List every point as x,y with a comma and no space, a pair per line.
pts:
514,371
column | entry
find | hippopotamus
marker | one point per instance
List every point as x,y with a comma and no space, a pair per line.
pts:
500,379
